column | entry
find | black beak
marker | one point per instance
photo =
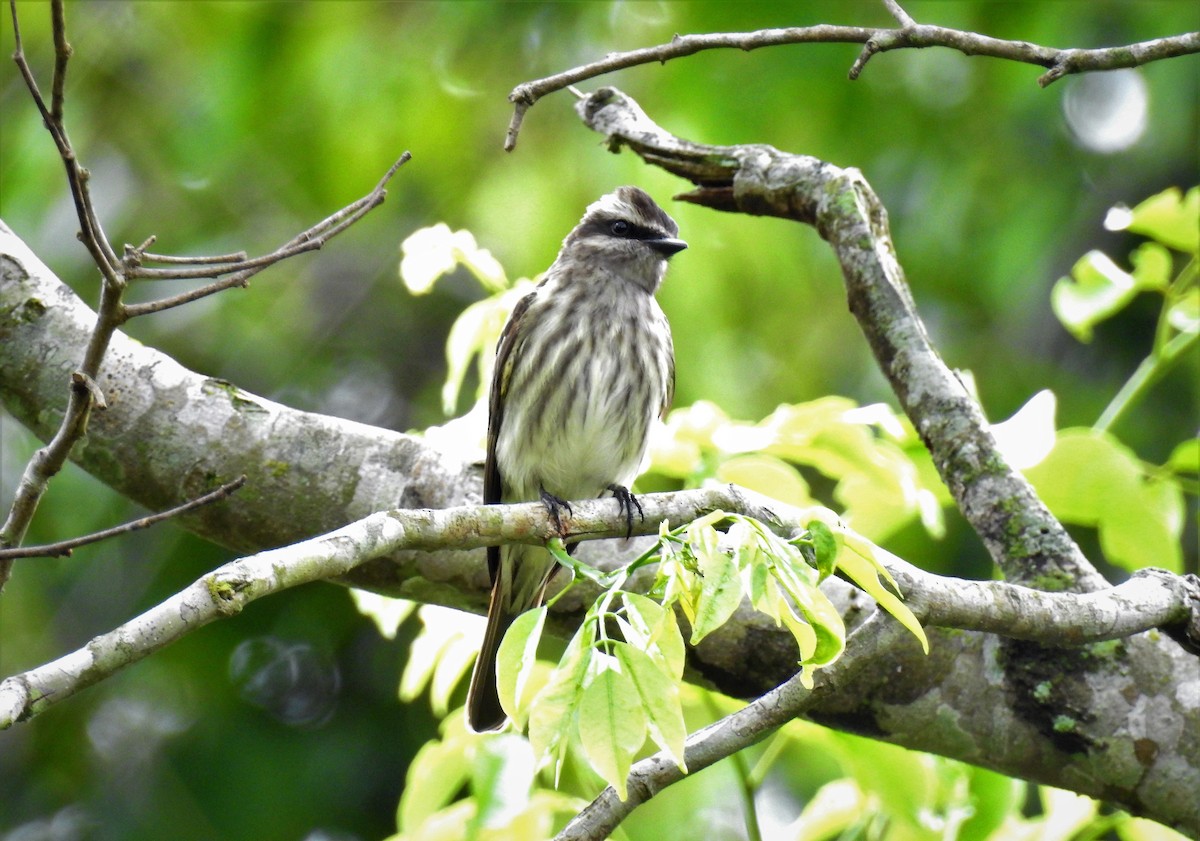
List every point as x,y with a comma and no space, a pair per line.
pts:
667,246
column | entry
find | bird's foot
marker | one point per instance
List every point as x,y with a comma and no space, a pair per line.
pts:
554,506
628,502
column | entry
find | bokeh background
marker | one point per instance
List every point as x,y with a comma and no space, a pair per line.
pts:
233,125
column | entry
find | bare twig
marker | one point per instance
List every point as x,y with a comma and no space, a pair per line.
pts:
65,547
1150,601
116,272
909,35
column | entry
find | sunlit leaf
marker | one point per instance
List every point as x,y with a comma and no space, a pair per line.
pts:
502,777
552,712
1169,217
1096,289
659,630
861,563
658,694
1184,312
612,726
720,584
1151,266
516,658
434,776
1028,436
835,807
1092,479
766,475
1185,458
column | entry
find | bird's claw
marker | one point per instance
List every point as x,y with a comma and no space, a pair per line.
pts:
554,505
628,502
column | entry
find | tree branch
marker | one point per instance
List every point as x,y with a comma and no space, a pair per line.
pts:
65,547
1145,602
1024,540
909,35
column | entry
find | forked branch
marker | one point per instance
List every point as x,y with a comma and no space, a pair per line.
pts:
908,35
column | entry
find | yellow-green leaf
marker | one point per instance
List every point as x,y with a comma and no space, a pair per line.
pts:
516,659
860,563
612,726
658,694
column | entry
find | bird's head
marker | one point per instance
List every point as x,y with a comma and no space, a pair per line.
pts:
627,234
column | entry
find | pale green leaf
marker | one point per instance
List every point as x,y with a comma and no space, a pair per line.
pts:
440,654
835,807
516,659
766,475
1151,266
861,563
1184,312
1171,218
657,630
658,694
552,713
1028,436
387,613
1092,479
435,776
720,584
612,727
1096,290
502,777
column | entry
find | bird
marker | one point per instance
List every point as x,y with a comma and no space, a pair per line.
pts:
584,365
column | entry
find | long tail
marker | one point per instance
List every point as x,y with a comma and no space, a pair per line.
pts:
483,698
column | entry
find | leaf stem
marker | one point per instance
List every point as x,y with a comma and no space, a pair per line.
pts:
1152,369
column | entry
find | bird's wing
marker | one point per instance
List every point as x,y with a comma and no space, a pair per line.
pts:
492,484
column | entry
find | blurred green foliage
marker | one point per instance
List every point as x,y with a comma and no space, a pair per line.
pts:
233,125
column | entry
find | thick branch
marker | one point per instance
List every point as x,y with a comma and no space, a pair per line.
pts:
1025,541
909,35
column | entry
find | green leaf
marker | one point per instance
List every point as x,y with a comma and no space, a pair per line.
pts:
474,332
835,808
1096,290
502,778
516,659
766,475
658,694
1169,217
656,632
552,712
1185,458
435,776
1091,479
1151,266
1184,312
612,726
720,584
861,563
826,545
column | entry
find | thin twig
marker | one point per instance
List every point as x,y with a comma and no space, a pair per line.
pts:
909,35
65,547
312,239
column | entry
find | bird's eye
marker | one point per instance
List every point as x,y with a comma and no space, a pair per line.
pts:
620,228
